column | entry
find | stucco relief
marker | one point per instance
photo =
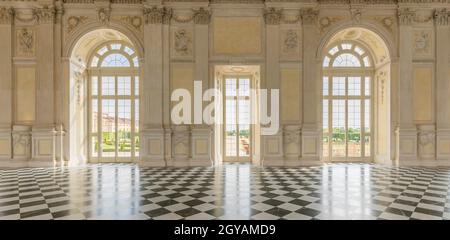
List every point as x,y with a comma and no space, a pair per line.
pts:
290,44
74,21
422,42
134,22
25,41
182,42
387,22
104,15
326,22
381,79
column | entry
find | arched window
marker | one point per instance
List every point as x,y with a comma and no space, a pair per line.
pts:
347,102
114,103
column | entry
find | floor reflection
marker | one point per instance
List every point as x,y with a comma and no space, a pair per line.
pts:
232,191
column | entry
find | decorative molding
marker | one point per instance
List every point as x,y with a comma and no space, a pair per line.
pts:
273,16
74,21
441,16
309,15
405,16
6,15
45,15
201,16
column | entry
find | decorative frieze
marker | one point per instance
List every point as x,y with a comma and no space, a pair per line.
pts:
6,15
273,16
201,16
405,16
441,17
45,15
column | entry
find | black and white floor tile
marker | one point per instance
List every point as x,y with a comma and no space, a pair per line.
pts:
235,191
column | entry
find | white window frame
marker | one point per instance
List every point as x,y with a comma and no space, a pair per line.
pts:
96,70
366,69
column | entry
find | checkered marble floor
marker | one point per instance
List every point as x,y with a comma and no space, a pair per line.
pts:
235,191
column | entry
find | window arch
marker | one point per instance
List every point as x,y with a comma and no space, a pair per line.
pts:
347,54
114,103
347,102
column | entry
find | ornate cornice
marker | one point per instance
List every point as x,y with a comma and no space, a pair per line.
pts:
405,16
441,17
201,16
309,15
155,15
6,15
273,16
45,15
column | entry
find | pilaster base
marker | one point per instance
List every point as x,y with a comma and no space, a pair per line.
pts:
152,148
5,144
201,139
311,140
180,146
43,147
272,149
291,141
406,144
427,142
443,144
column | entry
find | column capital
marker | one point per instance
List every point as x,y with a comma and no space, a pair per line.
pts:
405,16
201,16
309,15
441,17
272,16
45,14
6,15
155,15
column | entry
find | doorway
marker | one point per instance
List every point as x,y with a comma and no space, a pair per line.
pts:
237,134
237,111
